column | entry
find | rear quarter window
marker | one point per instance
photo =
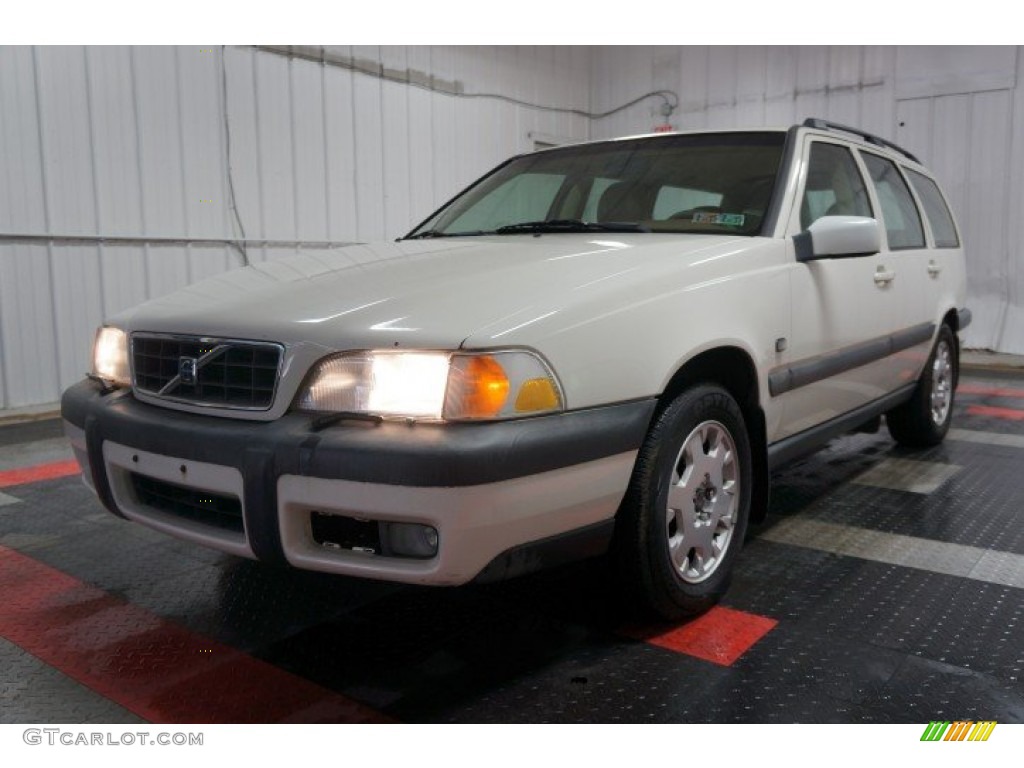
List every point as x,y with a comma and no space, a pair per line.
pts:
935,209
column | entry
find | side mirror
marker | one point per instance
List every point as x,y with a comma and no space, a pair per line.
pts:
837,237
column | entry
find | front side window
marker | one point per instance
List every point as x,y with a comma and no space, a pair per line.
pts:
834,186
706,183
902,222
935,209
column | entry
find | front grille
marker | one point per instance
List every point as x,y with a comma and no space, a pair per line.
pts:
217,372
213,509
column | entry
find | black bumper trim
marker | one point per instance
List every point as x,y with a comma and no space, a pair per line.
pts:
591,541
390,453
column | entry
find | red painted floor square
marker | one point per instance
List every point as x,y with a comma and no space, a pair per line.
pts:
39,472
1000,413
151,666
722,635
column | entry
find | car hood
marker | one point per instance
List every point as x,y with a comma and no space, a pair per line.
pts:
431,294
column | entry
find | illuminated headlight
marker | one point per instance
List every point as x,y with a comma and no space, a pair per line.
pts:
434,386
110,356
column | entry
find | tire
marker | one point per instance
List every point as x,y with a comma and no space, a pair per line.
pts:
685,514
924,419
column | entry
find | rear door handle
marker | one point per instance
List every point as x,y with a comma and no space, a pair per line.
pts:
884,276
933,268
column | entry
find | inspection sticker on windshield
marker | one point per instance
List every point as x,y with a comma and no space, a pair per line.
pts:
729,219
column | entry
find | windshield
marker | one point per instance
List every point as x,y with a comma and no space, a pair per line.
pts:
706,183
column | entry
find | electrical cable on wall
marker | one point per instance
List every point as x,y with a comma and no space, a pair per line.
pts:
227,151
670,99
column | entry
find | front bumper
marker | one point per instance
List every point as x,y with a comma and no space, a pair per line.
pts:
490,490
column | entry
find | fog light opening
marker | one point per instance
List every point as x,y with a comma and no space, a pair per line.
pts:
412,540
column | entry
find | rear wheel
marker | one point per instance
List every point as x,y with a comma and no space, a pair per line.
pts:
924,419
685,514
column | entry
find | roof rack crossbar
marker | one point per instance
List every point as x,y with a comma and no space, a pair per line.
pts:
827,125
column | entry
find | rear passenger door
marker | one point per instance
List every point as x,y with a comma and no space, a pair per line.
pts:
945,267
905,245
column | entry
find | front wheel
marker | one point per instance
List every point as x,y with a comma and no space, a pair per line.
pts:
685,514
924,419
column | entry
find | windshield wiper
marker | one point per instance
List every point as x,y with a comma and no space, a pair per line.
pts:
571,225
428,233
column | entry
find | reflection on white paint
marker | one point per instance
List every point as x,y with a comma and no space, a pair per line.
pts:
389,325
523,325
606,277
608,247
342,314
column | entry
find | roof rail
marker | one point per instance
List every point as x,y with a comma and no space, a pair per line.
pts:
826,125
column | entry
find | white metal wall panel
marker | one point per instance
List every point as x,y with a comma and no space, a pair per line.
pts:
877,96
369,147
276,214
420,103
70,191
1012,332
988,216
28,358
395,129
245,160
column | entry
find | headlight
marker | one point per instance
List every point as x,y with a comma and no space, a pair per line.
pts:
452,386
110,356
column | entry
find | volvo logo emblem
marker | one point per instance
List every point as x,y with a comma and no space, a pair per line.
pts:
187,369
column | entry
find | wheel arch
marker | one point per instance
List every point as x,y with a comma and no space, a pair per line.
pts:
732,368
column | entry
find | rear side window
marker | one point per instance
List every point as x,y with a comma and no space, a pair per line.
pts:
935,209
834,186
902,222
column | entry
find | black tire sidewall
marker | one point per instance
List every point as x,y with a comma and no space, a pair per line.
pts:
701,404
911,424
939,430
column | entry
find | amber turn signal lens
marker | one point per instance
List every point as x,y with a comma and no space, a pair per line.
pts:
482,389
537,395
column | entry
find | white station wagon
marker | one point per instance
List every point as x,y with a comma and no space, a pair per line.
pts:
601,348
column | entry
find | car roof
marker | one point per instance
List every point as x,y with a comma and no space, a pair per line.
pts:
854,136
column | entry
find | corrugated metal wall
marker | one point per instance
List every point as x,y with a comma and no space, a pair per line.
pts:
960,109
114,167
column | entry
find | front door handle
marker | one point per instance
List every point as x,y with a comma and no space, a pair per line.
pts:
933,268
884,276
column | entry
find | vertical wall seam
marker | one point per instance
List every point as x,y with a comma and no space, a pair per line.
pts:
97,214
259,148
46,213
355,151
179,104
140,170
294,150
1007,259
327,165
383,169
